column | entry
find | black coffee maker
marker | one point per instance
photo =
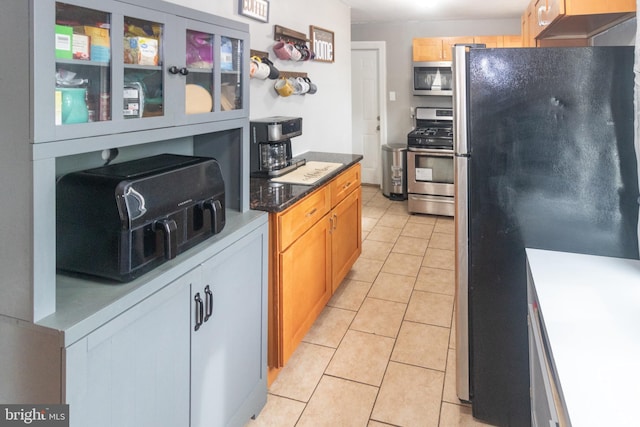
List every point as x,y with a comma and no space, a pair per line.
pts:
270,153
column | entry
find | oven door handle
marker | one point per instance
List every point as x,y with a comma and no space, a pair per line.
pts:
431,152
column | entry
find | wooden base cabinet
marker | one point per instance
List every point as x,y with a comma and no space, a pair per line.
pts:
313,245
305,273
346,229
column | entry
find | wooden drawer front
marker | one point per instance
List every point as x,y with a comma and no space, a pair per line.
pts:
301,216
344,184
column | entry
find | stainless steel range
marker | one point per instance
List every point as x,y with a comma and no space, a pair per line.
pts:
430,162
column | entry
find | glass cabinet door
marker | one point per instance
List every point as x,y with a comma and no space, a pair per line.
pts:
199,89
213,73
143,89
120,68
83,65
231,73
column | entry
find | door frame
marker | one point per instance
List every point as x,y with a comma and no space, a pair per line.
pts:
381,48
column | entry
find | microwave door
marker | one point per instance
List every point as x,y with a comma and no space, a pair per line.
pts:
432,78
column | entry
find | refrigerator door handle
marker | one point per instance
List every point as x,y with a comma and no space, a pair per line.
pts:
461,197
459,67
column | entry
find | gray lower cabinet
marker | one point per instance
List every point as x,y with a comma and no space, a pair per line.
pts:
149,366
229,335
134,370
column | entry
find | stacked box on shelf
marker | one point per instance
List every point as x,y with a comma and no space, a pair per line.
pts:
99,41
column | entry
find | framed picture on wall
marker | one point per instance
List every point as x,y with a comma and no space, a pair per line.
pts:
322,44
254,9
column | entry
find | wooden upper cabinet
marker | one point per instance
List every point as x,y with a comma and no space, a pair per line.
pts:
439,48
436,48
596,7
427,49
578,18
489,41
447,45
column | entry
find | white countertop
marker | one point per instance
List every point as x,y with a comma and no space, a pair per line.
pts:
591,311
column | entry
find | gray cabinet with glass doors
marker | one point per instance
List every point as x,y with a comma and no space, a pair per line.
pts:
110,67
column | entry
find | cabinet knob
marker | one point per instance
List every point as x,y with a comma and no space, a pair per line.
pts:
175,70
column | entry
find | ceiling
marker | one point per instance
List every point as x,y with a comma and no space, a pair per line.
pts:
369,11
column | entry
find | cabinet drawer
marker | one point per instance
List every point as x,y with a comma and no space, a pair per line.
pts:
301,216
344,184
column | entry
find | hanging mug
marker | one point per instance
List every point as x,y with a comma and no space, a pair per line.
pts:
304,50
253,67
313,88
283,87
295,54
297,87
281,50
304,85
262,71
274,73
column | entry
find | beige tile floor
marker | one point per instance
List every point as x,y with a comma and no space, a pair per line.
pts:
382,353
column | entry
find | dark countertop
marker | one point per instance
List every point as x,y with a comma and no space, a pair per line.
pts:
276,197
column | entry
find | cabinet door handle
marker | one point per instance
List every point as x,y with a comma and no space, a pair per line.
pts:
335,221
311,212
199,311
543,20
208,303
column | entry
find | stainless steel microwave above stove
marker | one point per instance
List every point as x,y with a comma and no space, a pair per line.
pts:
432,78
430,172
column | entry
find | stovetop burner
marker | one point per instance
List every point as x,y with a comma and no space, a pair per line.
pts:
434,128
431,137
433,132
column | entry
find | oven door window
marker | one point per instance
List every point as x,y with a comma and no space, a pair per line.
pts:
434,169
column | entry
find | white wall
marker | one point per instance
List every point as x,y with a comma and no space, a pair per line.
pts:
399,39
327,113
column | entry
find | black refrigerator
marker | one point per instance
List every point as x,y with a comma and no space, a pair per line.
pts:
545,158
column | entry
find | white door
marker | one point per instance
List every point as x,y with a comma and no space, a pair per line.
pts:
367,93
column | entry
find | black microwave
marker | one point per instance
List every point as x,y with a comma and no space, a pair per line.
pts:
433,78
